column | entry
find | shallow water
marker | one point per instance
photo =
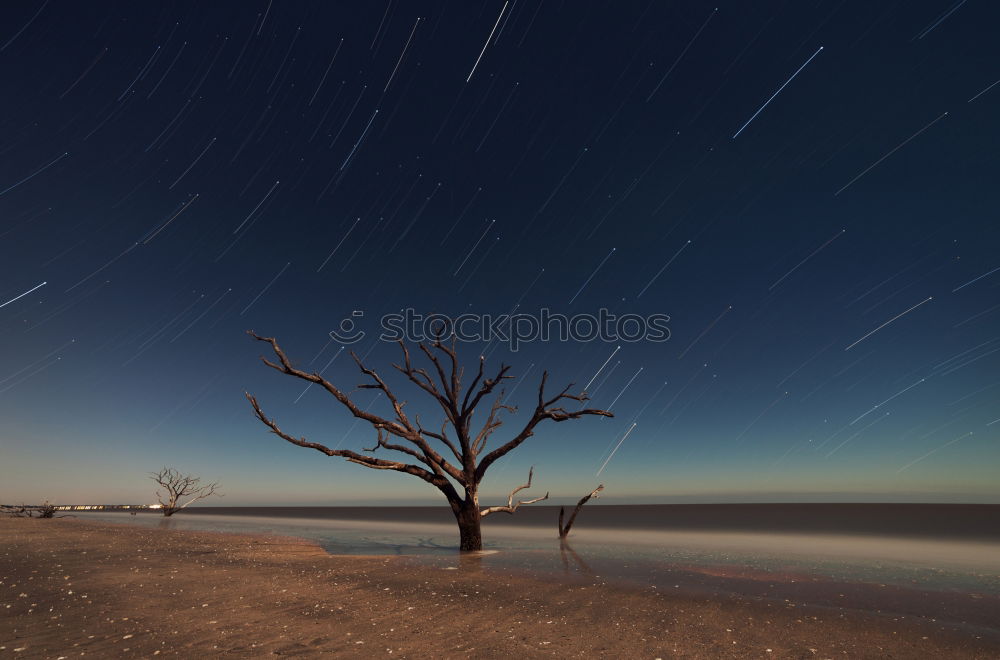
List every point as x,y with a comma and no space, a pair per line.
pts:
953,580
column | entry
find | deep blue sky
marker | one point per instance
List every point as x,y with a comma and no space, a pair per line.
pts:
584,127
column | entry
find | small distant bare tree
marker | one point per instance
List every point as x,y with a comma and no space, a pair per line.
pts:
47,510
431,450
564,531
177,486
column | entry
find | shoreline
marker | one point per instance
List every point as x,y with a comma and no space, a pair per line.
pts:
972,554
70,586
954,521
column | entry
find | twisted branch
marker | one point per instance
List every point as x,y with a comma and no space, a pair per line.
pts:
564,531
542,412
511,507
401,428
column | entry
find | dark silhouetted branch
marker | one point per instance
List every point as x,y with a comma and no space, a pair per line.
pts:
564,531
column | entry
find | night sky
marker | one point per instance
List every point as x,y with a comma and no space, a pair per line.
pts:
780,178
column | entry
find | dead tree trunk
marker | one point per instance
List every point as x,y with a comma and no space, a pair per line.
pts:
564,531
470,533
430,451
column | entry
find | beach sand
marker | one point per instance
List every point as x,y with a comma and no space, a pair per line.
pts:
70,588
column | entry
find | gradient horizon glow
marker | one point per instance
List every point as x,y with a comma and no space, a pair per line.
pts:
173,175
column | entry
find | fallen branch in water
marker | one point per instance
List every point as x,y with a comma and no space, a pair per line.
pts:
564,531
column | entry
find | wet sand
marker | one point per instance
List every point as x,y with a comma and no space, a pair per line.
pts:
70,588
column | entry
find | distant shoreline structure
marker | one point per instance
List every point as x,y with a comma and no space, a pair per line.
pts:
942,521
107,507
86,507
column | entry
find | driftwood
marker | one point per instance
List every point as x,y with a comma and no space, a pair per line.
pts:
43,510
177,486
428,452
564,530
14,511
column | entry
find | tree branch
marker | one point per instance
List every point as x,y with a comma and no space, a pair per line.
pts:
511,507
437,480
468,407
442,436
422,379
456,377
475,381
542,412
491,424
380,385
401,428
564,531
450,395
286,367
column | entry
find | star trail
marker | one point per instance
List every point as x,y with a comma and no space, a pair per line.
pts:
790,185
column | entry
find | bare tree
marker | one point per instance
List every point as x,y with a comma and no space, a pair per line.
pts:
458,481
564,531
47,510
177,486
